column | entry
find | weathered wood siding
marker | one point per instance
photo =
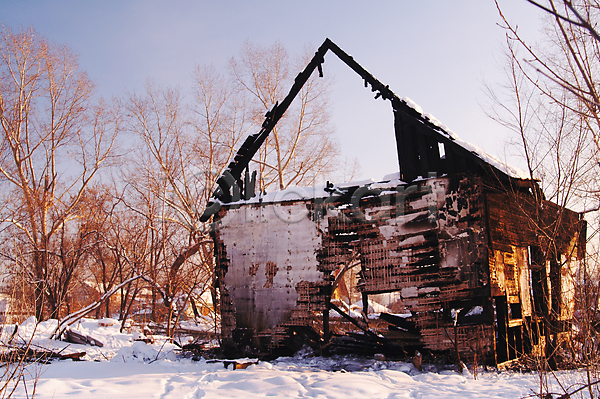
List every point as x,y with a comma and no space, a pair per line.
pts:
427,241
453,252
534,247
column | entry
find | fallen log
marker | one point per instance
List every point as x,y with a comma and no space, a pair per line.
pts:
36,355
76,338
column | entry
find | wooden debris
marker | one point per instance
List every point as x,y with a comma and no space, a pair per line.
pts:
234,364
77,338
29,354
418,361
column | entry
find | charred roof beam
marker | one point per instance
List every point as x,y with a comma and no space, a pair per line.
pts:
233,173
418,151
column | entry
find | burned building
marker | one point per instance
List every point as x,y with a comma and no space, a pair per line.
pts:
457,252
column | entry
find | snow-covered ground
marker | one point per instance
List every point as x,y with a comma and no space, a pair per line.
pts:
123,368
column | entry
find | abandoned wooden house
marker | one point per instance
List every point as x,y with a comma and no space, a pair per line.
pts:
456,253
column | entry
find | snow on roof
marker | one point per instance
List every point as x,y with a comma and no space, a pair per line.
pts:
289,194
486,157
389,181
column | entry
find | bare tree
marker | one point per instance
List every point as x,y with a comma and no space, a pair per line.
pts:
556,144
220,119
552,106
54,141
172,194
185,148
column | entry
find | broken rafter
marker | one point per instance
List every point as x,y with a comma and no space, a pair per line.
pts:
353,321
231,177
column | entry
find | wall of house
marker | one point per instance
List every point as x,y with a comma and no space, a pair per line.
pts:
426,242
534,254
429,243
453,256
267,266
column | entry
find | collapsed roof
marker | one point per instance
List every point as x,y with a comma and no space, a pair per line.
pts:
425,146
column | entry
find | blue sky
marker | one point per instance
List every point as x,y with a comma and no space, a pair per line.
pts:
436,52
